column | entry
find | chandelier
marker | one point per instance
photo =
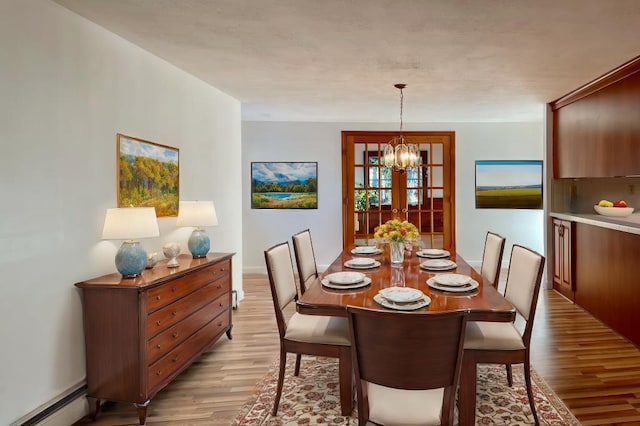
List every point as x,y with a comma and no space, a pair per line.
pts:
397,154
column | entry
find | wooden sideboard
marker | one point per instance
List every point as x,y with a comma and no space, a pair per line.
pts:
140,333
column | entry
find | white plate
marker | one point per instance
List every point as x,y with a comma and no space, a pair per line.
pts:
421,303
452,280
374,264
345,277
361,284
438,264
366,250
401,294
361,261
429,253
431,282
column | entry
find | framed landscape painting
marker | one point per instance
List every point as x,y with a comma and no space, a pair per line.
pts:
284,185
509,184
148,175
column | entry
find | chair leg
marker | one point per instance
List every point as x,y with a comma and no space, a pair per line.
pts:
527,380
297,370
509,375
283,363
345,373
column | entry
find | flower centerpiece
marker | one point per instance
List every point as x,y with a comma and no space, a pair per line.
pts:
397,233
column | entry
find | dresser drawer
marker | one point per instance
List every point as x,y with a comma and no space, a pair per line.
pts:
161,319
166,366
163,295
178,333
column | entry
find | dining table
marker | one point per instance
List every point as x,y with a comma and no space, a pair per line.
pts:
483,302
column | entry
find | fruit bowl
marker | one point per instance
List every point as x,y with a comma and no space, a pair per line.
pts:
613,211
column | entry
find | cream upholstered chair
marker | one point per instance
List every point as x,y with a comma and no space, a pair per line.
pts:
306,334
305,258
504,342
492,258
399,380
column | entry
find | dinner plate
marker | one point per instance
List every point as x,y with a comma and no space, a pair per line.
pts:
366,250
401,294
374,264
345,277
365,282
361,261
431,282
452,280
433,253
420,303
438,265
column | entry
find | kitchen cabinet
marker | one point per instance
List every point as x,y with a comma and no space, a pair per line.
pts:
563,265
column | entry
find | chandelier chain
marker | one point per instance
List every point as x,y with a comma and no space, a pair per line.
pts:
401,103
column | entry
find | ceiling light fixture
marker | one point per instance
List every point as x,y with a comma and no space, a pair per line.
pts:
398,155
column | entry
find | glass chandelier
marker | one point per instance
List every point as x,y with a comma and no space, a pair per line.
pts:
398,155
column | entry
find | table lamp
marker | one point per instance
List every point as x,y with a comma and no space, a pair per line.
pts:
197,214
130,224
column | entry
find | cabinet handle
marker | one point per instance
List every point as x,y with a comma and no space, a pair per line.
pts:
175,334
157,297
219,285
158,373
173,289
219,324
174,313
221,304
175,358
158,322
158,346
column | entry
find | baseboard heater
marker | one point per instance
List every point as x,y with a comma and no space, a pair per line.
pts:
58,405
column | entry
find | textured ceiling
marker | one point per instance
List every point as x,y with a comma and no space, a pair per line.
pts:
337,60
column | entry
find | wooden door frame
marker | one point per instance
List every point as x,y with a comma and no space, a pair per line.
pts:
375,136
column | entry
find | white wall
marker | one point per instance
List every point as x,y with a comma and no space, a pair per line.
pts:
321,142
68,86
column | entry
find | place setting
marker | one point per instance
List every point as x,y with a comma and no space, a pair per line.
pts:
402,298
345,280
361,263
366,250
438,265
432,253
457,283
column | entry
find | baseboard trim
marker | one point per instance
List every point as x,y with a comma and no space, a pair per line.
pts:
65,411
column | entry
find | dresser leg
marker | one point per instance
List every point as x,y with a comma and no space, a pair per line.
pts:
94,407
142,412
229,333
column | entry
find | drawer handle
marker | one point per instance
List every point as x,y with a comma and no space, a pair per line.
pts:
158,373
173,289
175,358
175,334
158,346
221,269
221,304
219,324
219,285
157,297
158,322
174,313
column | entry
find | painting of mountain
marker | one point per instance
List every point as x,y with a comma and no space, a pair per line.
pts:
284,185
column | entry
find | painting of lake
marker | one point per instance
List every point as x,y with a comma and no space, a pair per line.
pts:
284,185
509,184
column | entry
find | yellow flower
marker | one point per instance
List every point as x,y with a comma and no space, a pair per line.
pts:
397,231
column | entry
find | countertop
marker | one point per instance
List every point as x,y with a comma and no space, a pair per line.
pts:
630,224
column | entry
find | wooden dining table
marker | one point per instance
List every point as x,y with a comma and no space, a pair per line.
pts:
484,303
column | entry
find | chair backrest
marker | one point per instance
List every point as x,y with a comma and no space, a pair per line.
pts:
305,258
281,280
523,284
492,258
408,351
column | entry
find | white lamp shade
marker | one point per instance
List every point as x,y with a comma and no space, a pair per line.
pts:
197,213
129,223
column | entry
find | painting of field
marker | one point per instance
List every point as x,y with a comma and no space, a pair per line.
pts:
148,175
511,184
284,185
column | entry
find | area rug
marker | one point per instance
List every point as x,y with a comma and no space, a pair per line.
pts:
313,398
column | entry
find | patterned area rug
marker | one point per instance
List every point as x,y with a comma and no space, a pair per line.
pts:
312,398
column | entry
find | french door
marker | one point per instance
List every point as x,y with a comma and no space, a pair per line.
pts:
373,194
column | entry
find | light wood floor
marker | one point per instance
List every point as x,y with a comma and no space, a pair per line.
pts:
592,369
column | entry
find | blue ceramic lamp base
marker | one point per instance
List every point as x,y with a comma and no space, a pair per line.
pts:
199,243
131,259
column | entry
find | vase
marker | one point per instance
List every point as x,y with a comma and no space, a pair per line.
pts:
396,252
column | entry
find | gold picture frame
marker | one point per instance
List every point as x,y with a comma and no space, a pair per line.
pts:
148,175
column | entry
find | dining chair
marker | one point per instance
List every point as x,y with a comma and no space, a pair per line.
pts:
306,334
407,366
492,258
305,258
504,342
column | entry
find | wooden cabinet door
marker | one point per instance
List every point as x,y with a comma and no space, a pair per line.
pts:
563,257
373,194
